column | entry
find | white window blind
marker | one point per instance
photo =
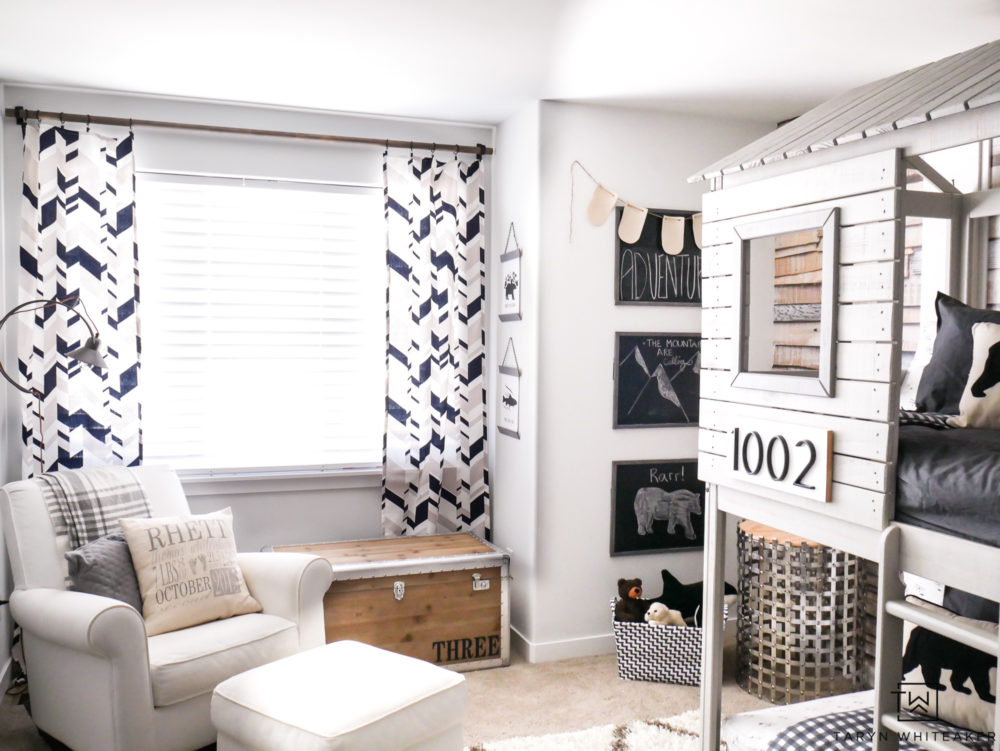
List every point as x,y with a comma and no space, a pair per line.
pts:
263,323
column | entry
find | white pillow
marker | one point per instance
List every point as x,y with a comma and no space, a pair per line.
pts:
187,570
936,661
979,406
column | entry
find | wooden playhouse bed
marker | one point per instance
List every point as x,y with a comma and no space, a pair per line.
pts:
843,170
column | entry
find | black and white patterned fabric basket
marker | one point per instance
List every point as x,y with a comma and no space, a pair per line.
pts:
664,654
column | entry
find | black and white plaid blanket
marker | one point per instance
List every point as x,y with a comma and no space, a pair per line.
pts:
87,503
852,731
927,419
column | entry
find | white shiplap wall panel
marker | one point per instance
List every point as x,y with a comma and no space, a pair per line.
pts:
863,282
865,174
856,361
874,241
863,209
858,505
847,470
858,322
862,438
861,399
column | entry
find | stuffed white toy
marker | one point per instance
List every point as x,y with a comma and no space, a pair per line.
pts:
660,615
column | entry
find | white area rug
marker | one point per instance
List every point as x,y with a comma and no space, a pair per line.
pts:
678,733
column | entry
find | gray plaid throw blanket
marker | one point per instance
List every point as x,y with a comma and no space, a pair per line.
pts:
935,420
87,503
852,731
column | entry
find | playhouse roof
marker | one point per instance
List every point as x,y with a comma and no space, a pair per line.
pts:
955,84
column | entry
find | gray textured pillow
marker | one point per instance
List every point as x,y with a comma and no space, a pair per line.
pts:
104,567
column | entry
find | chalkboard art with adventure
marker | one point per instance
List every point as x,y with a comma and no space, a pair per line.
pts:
656,379
646,275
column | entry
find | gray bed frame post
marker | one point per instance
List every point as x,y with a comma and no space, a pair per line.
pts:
712,607
888,641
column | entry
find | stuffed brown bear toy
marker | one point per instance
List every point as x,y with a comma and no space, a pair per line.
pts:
630,606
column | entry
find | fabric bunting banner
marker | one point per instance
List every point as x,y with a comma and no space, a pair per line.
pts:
77,238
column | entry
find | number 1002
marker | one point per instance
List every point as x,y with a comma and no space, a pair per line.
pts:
750,456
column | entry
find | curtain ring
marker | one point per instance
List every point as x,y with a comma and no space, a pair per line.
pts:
456,152
88,123
130,132
411,149
62,119
386,152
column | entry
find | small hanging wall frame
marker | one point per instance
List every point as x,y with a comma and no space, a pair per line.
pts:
510,272
509,390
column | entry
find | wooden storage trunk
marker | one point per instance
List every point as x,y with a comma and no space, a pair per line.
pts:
440,598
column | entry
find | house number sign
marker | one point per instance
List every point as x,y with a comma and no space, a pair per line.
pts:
792,459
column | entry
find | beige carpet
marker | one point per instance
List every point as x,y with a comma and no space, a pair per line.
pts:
520,700
556,697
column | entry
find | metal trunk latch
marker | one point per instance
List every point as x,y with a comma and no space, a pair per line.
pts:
399,589
479,583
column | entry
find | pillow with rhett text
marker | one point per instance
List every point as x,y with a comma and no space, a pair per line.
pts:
187,570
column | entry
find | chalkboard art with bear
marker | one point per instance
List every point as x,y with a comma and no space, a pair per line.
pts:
656,379
656,506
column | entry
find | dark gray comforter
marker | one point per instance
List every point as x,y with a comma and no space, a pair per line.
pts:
949,481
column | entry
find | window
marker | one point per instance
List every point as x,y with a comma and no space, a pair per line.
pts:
786,296
263,323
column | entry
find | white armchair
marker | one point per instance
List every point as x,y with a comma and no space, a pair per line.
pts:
96,681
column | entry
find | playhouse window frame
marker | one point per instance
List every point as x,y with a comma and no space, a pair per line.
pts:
822,382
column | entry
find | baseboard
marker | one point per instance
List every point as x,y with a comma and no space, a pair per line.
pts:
563,649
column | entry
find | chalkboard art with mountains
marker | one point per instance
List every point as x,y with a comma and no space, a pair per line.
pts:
656,379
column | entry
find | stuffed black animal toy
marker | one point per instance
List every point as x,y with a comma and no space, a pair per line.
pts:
630,606
683,597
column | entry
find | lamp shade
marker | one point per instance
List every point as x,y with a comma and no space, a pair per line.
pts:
90,353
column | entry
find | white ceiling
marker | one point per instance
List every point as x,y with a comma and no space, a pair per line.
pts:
480,60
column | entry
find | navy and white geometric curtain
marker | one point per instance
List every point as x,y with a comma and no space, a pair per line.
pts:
435,476
78,238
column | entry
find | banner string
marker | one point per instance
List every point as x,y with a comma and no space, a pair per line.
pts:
618,198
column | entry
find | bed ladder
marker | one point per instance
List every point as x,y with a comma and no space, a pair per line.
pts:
896,557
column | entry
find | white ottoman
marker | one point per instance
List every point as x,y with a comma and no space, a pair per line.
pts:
344,695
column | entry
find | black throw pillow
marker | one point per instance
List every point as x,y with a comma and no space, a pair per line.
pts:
944,377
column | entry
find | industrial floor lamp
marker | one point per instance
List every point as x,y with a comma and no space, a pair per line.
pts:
89,353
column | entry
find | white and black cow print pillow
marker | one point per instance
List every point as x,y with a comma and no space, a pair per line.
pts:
980,403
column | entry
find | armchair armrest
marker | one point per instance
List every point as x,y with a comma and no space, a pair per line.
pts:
98,625
77,643
292,586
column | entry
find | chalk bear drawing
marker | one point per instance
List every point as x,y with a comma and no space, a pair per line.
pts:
675,506
933,653
990,375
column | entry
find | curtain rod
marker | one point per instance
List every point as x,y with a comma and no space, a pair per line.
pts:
22,115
